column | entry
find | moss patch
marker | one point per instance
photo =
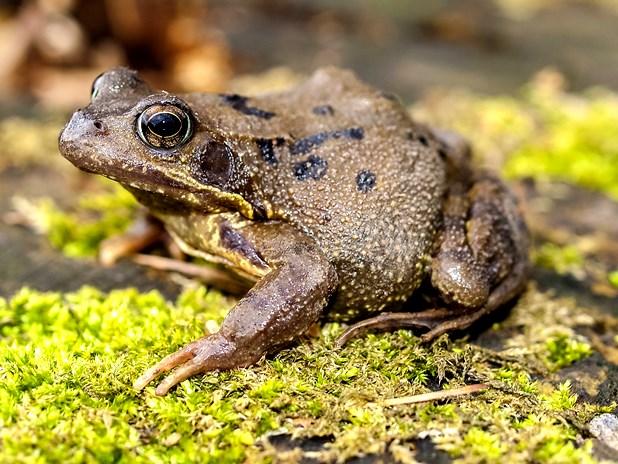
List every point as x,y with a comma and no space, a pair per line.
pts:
545,133
613,278
79,232
67,362
562,259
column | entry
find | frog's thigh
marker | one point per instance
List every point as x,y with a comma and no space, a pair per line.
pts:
484,237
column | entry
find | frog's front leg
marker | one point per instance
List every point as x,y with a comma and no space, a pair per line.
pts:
282,305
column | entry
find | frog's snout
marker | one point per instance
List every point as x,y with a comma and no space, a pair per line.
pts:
78,134
80,128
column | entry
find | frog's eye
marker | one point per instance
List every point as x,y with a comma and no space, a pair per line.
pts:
164,126
94,90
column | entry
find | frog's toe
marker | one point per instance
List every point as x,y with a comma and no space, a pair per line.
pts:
207,354
188,369
166,364
391,321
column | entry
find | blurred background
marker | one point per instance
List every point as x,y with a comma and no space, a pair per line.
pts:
531,83
51,50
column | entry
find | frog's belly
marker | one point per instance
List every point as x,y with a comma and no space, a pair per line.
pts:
366,289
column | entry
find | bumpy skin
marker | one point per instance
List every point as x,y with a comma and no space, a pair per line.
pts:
327,195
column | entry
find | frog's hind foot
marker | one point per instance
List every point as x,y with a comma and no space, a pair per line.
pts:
441,320
430,319
438,321
508,289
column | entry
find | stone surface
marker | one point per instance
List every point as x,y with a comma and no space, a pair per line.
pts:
605,429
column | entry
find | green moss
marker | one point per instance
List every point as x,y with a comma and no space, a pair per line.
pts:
563,350
79,233
562,259
572,142
544,133
613,278
562,398
483,444
67,362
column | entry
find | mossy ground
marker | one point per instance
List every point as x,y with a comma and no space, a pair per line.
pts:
67,361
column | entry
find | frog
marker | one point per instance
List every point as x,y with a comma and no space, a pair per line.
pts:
328,197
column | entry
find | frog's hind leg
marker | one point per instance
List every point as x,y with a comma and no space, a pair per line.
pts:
481,262
439,320
513,285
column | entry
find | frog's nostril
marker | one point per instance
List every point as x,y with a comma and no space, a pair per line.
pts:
80,128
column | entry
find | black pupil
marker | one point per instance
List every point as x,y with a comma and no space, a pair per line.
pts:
164,124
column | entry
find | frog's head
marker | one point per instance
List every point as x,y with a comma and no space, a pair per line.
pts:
152,143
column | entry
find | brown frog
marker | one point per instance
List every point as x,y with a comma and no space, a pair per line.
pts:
327,196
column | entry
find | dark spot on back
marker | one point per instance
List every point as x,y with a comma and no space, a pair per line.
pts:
233,240
313,167
423,140
307,144
442,153
365,180
239,103
266,147
323,110
355,133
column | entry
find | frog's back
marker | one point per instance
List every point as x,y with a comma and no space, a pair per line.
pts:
362,179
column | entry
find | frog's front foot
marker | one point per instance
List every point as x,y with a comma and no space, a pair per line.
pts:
143,233
206,354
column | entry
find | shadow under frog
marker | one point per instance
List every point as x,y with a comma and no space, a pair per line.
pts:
327,196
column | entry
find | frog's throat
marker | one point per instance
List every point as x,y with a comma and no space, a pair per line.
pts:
243,268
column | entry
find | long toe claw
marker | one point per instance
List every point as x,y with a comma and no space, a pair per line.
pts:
185,371
166,364
389,321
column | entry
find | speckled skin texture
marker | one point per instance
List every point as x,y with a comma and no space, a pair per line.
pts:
328,196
